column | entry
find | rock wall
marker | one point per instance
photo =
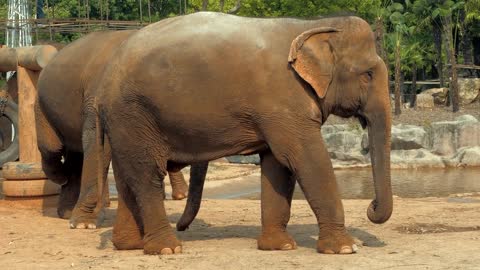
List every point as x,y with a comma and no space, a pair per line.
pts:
442,144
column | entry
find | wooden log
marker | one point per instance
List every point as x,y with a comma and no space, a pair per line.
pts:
8,59
27,94
35,57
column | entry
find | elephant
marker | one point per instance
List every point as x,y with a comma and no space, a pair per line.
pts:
247,85
65,120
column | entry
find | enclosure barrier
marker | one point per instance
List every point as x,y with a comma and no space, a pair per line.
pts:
26,177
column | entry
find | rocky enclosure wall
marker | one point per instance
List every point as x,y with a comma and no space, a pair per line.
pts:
441,144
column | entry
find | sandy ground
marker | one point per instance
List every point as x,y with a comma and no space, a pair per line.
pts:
430,233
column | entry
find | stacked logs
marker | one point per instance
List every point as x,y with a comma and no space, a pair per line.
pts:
26,177
26,180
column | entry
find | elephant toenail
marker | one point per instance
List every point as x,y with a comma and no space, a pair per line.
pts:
81,226
178,250
72,226
346,250
287,247
92,226
328,251
166,251
354,248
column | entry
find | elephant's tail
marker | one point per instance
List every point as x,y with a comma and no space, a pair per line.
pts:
198,171
100,147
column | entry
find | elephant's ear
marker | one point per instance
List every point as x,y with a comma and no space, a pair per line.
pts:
312,58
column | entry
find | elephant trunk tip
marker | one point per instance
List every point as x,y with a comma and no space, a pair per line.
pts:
183,223
378,215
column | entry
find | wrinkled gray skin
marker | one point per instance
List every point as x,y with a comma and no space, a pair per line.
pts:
65,115
247,86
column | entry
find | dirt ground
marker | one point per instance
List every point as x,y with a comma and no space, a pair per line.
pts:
430,233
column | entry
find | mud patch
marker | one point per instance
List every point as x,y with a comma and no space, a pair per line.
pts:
426,228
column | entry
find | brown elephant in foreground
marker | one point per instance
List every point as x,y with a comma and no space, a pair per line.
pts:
247,85
65,118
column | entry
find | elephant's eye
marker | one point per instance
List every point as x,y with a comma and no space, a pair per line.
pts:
370,74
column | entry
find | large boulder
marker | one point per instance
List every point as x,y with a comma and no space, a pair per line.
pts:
404,137
448,136
342,138
466,156
468,89
415,158
430,97
350,159
239,159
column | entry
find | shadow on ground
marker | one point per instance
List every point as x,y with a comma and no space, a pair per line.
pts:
304,234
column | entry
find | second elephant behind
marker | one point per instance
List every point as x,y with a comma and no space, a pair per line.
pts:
65,119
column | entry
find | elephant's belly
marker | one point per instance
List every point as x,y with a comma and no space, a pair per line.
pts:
189,149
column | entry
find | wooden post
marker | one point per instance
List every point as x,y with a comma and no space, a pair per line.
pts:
26,178
27,93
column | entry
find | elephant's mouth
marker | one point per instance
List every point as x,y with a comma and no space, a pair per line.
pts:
362,119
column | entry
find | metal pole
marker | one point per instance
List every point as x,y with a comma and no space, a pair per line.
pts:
149,12
140,8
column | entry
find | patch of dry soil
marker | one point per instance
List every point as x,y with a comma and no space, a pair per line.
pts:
430,233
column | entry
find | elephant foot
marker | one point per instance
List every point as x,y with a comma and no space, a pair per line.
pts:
179,191
86,220
127,241
334,239
163,246
65,211
178,195
276,240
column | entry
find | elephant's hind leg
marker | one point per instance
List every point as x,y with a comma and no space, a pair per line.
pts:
86,214
179,186
276,198
143,171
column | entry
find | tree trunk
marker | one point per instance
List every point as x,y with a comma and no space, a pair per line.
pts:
236,8
452,61
141,11
467,43
413,98
437,39
204,5
398,109
222,4
149,11
476,50
379,44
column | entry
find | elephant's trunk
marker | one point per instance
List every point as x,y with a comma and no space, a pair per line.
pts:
378,114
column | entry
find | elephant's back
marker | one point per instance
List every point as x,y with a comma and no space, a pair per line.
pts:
64,83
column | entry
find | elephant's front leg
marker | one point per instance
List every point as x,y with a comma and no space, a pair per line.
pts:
308,159
128,227
276,197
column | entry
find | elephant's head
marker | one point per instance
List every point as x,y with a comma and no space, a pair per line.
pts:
342,67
